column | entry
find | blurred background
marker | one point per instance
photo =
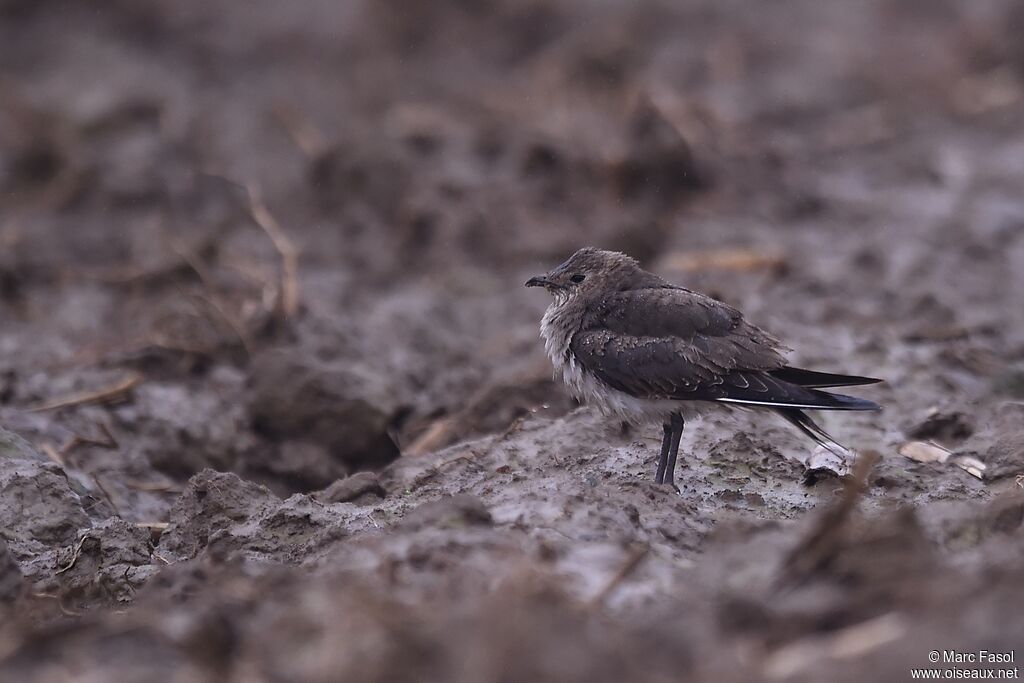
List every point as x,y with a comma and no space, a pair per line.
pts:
278,244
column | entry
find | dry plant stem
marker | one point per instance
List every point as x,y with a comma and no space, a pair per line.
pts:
166,270
60,603
629,566
817,546
113,393
741,259
434,438
108,441
53,454
300,129
288,301
106,495
74,556
60,456
151,487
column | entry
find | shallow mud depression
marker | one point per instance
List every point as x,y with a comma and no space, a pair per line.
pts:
273,401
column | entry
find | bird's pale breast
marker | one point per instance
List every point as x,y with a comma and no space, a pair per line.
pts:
557,328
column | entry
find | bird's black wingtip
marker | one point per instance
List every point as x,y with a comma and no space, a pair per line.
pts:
844,402
811,379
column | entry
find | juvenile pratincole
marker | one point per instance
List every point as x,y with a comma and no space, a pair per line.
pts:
643,349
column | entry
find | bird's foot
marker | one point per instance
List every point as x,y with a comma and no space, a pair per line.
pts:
667,483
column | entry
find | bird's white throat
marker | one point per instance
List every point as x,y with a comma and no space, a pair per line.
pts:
559,324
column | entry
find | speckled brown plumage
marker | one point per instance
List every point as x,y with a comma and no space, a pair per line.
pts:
642,348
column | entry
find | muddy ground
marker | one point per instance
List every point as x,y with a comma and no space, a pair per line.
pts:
273,402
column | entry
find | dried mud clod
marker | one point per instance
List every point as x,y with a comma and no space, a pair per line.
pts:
220,516
949,428
360,487
212,503
107,564
454,511
12,584
817,549
38,508
335,410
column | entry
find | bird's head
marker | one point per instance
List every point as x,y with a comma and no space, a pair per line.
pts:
590,270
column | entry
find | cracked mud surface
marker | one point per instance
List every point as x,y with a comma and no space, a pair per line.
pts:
215,467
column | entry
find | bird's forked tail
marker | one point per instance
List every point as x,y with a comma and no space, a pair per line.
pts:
805,424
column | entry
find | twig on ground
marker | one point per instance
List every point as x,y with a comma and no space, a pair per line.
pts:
819,545
151,487
739,259
981,93
108,395
300,129
628,567
60,603
819,651
435,437
106,495
74,556
108,441
288,294
53,454
168,269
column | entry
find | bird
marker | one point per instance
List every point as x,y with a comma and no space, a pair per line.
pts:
645,350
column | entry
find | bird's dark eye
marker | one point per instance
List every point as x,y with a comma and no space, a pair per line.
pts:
578,278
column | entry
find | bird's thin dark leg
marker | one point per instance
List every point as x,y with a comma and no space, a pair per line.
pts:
677,432
659,478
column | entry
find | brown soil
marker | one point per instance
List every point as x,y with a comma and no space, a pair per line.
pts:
247,252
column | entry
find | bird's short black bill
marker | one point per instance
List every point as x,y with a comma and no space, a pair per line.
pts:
539,281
